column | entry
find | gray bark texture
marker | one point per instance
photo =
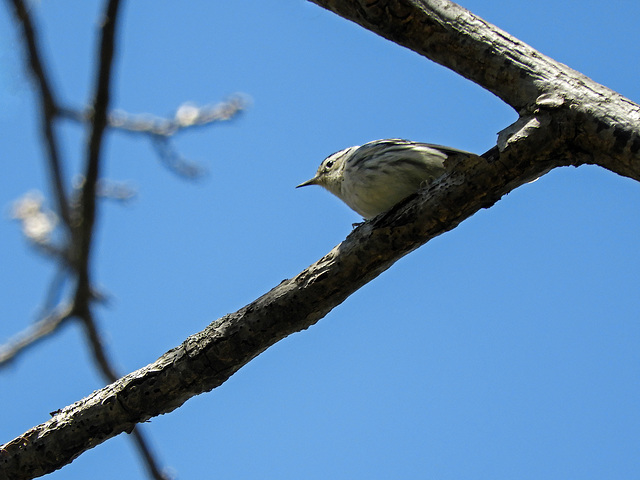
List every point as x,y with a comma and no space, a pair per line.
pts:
565,119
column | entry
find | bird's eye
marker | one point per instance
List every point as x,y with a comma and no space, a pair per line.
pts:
328,165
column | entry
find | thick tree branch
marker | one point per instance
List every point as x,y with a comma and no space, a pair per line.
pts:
565,119
452,36
209,358
94,339
600,124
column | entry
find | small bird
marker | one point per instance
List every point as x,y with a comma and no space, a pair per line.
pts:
374,177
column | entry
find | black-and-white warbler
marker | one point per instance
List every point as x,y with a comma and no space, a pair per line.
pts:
374,177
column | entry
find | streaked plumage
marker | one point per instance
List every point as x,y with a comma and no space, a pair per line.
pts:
374,177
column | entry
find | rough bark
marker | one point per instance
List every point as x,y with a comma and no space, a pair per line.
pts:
599,125
565,119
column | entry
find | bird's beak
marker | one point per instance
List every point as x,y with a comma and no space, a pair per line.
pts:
313,181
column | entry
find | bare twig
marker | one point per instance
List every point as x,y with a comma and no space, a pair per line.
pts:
94,145
48,106
188,115
160,130
119,191
95,342
56,288
33,334
108,189
174,160
150,461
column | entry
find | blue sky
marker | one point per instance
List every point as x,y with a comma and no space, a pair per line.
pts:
507,348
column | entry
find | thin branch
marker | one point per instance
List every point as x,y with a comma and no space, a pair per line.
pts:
96,346
187,116
56,287
121,192
160,130
34,334
94,146
48,106
174,160
142,443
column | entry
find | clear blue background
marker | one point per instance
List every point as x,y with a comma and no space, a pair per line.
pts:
507,348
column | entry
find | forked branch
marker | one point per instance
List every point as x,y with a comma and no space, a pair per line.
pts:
565,119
